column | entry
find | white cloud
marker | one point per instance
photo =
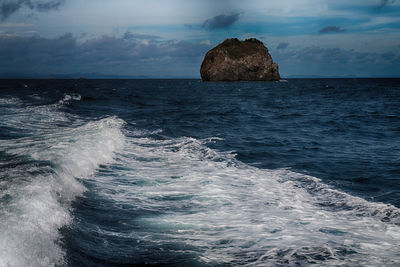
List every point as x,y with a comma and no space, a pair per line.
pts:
144,42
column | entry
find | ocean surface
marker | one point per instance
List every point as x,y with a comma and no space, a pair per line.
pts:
184,173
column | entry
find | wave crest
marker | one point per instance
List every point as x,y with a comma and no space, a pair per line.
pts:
42,172
233,213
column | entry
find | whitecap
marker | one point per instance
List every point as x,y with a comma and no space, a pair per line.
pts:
41,179
237,214
68,98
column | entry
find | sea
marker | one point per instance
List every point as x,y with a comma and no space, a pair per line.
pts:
301,172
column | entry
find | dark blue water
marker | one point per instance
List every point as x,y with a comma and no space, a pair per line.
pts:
181,172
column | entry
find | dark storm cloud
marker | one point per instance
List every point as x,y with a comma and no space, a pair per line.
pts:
385,3
221,21
130,54
330,29
388,56
8,7
282,46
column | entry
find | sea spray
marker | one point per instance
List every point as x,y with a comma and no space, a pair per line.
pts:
39,181
227,212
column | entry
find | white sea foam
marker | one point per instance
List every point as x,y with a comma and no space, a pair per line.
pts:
31,119
238,214
5,102
36,192
231,212
68,98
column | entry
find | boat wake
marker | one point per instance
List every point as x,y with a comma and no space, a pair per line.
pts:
166,197
39,177
226,212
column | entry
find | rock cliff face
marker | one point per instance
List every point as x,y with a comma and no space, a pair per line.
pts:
235,60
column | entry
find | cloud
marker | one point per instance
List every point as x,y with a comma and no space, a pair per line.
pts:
16,25
282,46
385,3
221,21
129,35
9,7
337,62
130,54
388,56
145,55
330,29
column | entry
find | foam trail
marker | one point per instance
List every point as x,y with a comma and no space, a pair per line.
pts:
233,213
38,180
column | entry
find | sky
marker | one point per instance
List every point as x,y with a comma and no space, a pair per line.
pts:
169,38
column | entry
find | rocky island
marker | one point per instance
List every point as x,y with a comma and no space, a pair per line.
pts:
235,60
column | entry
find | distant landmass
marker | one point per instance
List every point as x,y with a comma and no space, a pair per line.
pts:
110,76
235,60
86,76
93,75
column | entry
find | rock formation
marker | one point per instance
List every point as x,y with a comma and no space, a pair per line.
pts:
235,60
